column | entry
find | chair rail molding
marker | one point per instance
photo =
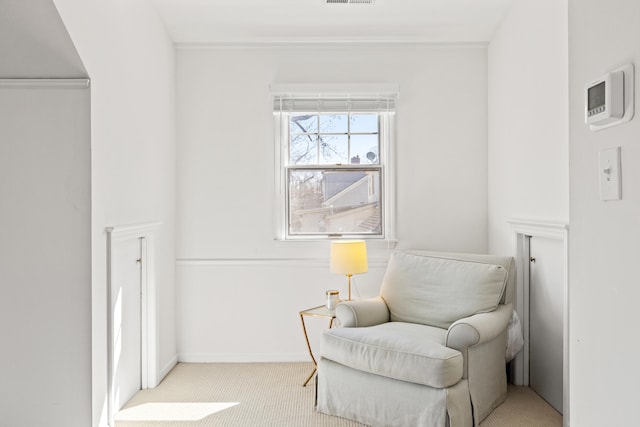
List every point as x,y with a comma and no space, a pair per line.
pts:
280,262
523,230
540,228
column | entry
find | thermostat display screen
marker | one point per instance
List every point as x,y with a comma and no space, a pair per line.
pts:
596,96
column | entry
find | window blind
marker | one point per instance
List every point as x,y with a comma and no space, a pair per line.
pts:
334,98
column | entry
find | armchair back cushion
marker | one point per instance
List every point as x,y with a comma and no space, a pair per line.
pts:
437,291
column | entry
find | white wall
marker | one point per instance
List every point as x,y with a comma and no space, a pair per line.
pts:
45,257
130,61
604,249
34,42
528,124
45,212
239,291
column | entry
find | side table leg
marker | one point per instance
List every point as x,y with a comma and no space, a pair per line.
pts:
310,376
306,338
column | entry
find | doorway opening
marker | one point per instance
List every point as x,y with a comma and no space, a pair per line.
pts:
542,256
132,317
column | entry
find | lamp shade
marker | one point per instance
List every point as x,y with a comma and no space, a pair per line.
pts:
349,257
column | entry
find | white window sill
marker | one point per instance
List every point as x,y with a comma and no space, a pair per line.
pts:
310,243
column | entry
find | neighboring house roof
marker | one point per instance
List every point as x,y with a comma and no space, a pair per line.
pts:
336,183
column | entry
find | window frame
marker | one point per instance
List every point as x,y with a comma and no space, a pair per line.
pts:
386,134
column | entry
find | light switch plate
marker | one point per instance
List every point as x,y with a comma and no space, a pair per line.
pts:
609,174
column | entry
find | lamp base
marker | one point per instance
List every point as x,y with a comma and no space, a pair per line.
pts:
349,285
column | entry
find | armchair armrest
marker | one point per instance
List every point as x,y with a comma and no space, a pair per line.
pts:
482,340
364,312
477,329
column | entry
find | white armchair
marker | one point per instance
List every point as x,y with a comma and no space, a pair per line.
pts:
429,351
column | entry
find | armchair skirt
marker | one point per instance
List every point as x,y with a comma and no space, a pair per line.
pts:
380,401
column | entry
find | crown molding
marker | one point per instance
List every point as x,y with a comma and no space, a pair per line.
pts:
329,43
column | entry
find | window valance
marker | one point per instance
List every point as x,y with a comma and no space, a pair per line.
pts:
334,97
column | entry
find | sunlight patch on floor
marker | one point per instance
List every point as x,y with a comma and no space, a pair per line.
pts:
172,411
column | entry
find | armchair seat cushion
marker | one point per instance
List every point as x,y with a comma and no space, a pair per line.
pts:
398,350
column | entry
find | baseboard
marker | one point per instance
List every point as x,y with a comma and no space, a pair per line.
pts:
168,367
242,357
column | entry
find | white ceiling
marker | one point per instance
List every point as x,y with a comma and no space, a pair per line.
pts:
295,21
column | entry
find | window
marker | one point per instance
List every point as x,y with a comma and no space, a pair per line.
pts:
333,166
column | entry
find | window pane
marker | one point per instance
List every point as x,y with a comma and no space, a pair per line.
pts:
303,150
304,123
367,123
305,188
333,149
365,149
334,123
341,202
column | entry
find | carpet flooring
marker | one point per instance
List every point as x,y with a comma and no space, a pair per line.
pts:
271,394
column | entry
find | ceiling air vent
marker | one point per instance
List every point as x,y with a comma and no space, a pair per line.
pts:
349,1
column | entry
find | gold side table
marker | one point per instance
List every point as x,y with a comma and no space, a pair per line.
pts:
320,311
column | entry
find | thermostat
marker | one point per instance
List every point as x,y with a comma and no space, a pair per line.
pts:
609,99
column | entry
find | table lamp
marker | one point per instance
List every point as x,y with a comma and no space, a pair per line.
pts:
349,257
